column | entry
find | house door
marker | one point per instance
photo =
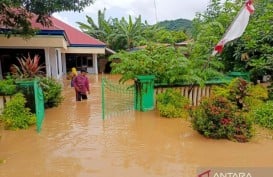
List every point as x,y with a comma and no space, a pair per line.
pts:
79,61
90,66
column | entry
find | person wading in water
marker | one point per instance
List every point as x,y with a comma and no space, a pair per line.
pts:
81,85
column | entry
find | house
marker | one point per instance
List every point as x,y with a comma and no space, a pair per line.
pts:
59,46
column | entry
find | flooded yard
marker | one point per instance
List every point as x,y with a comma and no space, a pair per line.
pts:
76,142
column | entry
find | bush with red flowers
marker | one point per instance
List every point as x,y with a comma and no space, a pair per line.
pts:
217,117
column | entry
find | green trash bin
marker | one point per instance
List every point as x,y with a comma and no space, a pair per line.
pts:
144,92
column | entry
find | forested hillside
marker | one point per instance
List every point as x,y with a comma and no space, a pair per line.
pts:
175,25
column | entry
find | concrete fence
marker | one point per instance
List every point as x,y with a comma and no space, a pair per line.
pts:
3,100
195,96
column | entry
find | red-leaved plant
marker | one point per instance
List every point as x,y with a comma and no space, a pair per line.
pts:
29,67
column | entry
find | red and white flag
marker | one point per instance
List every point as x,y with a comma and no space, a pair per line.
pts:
237,27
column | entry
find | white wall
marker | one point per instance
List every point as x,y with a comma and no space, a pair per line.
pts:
59,63
54,65
48,63
63,63
94,69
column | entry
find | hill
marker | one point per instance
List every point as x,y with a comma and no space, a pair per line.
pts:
176,25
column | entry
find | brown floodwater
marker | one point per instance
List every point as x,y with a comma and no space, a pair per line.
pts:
76,142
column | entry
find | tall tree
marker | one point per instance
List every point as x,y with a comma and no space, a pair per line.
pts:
130,31
252,52
255,46
101,30
209,28
16,14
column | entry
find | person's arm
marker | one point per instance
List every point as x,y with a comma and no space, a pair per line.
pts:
75,83
87,85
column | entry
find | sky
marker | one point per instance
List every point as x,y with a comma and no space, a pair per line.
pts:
151,10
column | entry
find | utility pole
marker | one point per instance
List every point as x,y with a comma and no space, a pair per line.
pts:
155,11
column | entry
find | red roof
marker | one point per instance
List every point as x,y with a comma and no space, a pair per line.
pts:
74,36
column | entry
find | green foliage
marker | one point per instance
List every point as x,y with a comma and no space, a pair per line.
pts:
172,104
102,30
52,90
234,104
238,91
210,26
7,86
176,25
169,37
167,64
117,34
263,114
242,94
270,91
122,34
216,117
256,96
130,31
251,52
16,15
164,36
257,40
16,115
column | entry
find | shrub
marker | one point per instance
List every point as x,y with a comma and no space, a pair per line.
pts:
172,104
242,94
238,91
270,91
216,117
52,90
7,86
16,115
263,115
167,64
256,96
29,67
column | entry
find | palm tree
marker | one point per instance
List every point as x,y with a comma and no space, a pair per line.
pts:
102,31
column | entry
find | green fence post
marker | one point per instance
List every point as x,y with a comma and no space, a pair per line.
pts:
103,98
39,105
144,92
35,99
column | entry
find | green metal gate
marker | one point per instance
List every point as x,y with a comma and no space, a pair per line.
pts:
116,98
35,99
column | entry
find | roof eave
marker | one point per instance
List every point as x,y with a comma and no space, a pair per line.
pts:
88,45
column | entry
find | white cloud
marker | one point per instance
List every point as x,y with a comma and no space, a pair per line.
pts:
61,17
149,10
